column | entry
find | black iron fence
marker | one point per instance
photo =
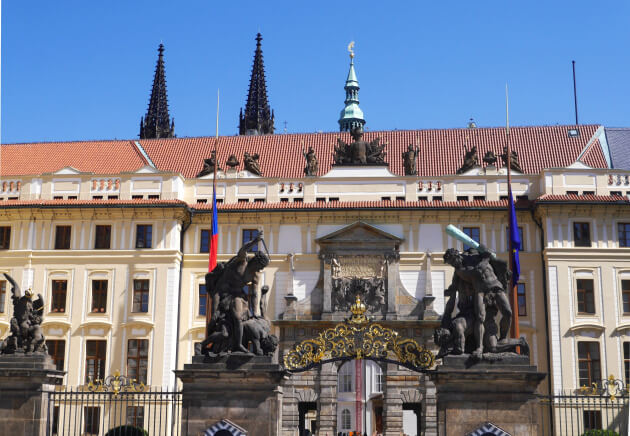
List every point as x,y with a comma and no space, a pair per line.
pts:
598,410
115,406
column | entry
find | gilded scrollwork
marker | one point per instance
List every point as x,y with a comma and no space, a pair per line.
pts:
358,338
115,383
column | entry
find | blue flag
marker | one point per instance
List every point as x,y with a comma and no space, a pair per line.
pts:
515,239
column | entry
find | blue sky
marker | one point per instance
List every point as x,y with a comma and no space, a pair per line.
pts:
75,70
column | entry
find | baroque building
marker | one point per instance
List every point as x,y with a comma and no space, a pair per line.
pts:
115,236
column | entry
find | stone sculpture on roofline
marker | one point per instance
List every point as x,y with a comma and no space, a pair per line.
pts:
479,293
359,152
238,319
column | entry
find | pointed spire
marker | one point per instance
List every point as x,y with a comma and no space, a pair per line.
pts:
157,123
351,115
258,118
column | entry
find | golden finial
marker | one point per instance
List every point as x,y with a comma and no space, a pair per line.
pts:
358,310
351,49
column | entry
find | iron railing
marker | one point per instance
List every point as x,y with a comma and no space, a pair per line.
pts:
116,406
598,410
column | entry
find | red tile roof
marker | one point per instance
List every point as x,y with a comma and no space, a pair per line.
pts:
588,198
100,157
441,151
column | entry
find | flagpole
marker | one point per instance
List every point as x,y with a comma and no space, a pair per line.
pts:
514,329
214,205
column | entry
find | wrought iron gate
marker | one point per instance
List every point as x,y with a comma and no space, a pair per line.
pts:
599,410
115,406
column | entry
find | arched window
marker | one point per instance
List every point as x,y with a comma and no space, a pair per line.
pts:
346,420
378,378
344,378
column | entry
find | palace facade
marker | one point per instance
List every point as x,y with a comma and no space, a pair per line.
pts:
114,235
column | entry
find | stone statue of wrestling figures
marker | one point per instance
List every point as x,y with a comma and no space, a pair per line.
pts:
27,336
238,323
474,300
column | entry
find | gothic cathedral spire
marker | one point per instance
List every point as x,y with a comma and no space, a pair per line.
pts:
157,123
258,118
351,115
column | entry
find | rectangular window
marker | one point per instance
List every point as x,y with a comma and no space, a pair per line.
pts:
507,238
623,231
589,363
5,237
144,235
3,295
625,296
380,381
462,198
92,419
62,237
57,351
140,296
203,299
585,296
592,420
522,299
204,247
249,235
582,234
135,416
473,233
99,296
138,359
95,360
626,361
103,236
59,291
55,421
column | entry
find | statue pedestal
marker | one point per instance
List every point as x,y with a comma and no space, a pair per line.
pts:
500,393
24,379
242,389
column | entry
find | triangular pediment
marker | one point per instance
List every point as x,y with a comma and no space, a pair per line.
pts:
578,164
147,169
359,231
68,171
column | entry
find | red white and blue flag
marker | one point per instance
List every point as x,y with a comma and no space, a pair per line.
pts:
214,233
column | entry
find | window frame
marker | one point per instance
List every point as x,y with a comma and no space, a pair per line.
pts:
99,294
581,242
253,233
55,293
203,249
626,361
137,360
626,232
519,286
585,302
594,374
3,295
147,228
137,416
202,300
94,413
471,229
142,291
99,240
345,379
98,360
625,296
346,419
63,238
57,353
5,237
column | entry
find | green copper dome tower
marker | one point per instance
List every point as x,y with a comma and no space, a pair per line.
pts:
351,115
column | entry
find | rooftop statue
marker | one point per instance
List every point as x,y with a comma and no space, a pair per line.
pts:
312,165
514,163
409,158
490,158
232,161
209,164
26,330
238,318
359,152
471,160
479,292
251,163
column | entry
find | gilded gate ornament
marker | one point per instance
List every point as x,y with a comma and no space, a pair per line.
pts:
358,338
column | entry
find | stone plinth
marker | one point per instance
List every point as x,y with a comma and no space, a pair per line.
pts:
23,403
241,388
501,392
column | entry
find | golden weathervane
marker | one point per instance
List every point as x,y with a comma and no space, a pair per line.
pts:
358,338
